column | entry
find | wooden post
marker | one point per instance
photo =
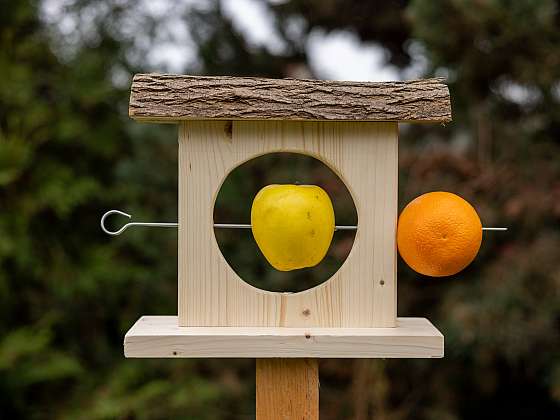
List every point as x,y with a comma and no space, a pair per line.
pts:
287,389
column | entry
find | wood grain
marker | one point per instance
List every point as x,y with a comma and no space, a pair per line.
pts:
170,98
287,389
160,336
361,294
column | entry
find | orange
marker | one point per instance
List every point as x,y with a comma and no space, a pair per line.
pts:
439,234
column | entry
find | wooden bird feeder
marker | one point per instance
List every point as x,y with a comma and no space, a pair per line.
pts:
352,127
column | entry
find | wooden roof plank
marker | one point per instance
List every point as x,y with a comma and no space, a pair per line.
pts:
172,98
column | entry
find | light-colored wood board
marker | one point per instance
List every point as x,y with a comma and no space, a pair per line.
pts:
160,336
171,98
362,293
287,389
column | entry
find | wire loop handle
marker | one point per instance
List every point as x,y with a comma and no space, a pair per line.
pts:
125,227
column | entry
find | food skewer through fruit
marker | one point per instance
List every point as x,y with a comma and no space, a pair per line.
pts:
216,225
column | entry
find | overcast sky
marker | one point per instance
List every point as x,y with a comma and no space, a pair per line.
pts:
338,55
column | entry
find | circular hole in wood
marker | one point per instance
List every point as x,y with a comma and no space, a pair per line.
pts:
233,205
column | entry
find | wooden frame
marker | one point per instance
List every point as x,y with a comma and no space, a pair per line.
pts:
351,127
361,294
160,336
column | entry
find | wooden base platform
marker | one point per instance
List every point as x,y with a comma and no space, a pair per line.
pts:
161,337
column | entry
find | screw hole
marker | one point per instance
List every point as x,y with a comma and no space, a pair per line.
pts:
228,129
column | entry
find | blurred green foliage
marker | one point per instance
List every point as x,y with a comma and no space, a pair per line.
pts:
68,152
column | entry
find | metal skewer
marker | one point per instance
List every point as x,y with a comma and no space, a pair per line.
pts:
125,227
244,226
216,225
163,224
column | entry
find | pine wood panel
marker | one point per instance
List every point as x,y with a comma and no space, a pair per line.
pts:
361,294
287,389
160,336
170,98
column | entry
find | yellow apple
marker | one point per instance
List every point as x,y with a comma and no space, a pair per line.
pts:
293,225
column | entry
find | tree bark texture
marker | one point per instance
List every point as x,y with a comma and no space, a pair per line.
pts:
170,98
